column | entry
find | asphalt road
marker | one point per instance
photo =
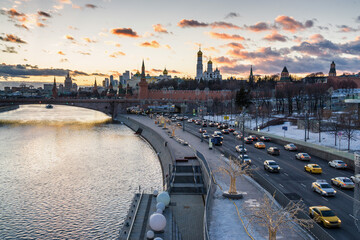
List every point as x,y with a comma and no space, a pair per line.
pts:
293,179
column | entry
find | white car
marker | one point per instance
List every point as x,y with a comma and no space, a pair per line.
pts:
240,148
323,188
343,182
337,164
355,178
246,159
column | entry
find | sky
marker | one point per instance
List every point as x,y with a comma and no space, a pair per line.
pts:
93,39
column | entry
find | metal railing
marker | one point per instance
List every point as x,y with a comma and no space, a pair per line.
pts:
134,216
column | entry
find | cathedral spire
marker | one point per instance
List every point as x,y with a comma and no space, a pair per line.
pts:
143,71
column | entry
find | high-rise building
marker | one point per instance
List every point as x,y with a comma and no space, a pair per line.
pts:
68,83
112,80
332,72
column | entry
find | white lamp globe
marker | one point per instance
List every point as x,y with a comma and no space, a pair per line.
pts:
158,238
155,193
157,222
159,211
164,198
150,234
160,205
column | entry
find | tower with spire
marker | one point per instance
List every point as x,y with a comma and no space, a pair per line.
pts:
199,65
54,89
143,85
332,72
285,76
68,83
251,77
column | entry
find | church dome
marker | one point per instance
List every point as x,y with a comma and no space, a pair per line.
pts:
199,53
165,72
210,62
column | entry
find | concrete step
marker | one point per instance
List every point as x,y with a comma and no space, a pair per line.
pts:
188,179
187,174
187,185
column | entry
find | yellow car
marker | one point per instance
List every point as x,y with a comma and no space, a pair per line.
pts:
259,145
313,168
324,216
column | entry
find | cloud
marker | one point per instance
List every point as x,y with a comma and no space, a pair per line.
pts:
153,44
211,49
345,29
234,45
88,40
14,13
194,23
167,46
275,36
27,70
9,49
159,28
39,24
64,60
232,15
116,54
316,38
191,23
113,43
75,6
261,53
291,25
259,27
91,6
226,36
127,32
65,1
224,61
21,26
69,37
61,53
224,25
84,53
44,14
317,48
358,19
12,38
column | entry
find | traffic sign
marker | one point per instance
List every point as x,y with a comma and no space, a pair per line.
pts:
284,128
226,117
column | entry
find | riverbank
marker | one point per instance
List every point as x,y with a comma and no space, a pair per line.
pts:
8,108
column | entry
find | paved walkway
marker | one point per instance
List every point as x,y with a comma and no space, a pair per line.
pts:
224,222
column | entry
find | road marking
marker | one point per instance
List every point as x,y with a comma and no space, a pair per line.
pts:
303,185
286,174
325,199
267,174
281,185
353,217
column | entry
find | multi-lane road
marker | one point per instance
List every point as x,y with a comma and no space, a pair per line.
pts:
292,179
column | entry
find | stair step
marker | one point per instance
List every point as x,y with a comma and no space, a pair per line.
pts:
190,185
184,174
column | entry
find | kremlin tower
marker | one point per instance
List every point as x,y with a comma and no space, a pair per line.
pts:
332,72
199,65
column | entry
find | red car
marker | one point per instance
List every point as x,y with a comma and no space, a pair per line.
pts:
231,130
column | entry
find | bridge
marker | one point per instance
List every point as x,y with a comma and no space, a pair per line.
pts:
111,107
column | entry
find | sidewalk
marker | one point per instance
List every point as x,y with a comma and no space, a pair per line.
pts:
224,222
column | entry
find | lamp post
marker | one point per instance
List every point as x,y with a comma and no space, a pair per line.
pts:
183,109
305,123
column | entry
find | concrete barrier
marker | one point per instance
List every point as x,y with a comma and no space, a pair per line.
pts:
326,153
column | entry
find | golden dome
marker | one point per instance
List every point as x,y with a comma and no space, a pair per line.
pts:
199,53
165,72
210,62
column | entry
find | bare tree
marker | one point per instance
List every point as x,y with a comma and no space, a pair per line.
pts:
349,122
234,169
272,217
334,126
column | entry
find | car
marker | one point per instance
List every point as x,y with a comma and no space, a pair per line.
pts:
259,145
355,178
240,148
204,124
248,140
219,126
239,136
343,182
323,188
231,130
265,139
273,151
211,124
201,130
190,120
290,147
324,216
205,135
337,164
313,168
271,166
246,158
235,133
225,131
303,156
224,126
218,133
253,137
179,124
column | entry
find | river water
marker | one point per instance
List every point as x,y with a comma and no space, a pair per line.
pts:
67,173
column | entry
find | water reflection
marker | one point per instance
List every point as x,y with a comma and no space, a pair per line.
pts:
69,182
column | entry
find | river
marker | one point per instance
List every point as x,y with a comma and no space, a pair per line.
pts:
68,173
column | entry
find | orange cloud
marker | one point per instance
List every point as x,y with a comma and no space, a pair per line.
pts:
226,36
224,61
191,23
12,38
91,6
291,25
44,14
69,37
60,52
159,28
167,46
316,38
275,36
224,25
127,32
153,44
86,39
65,1
116,54
39,24
234,45
211,49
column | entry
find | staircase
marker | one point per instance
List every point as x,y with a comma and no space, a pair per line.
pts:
187,177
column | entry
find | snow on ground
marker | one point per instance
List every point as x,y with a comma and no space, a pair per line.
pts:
293,132
326,138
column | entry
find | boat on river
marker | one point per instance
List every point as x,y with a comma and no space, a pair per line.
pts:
49,106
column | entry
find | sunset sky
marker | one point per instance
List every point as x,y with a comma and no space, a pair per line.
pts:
41,39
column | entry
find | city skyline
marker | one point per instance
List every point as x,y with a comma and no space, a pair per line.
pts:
40,39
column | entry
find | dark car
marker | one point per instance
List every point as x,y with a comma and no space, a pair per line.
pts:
231,130
219,126
253,137
248,140
273,151
225,131
204,124
265,139
211,124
